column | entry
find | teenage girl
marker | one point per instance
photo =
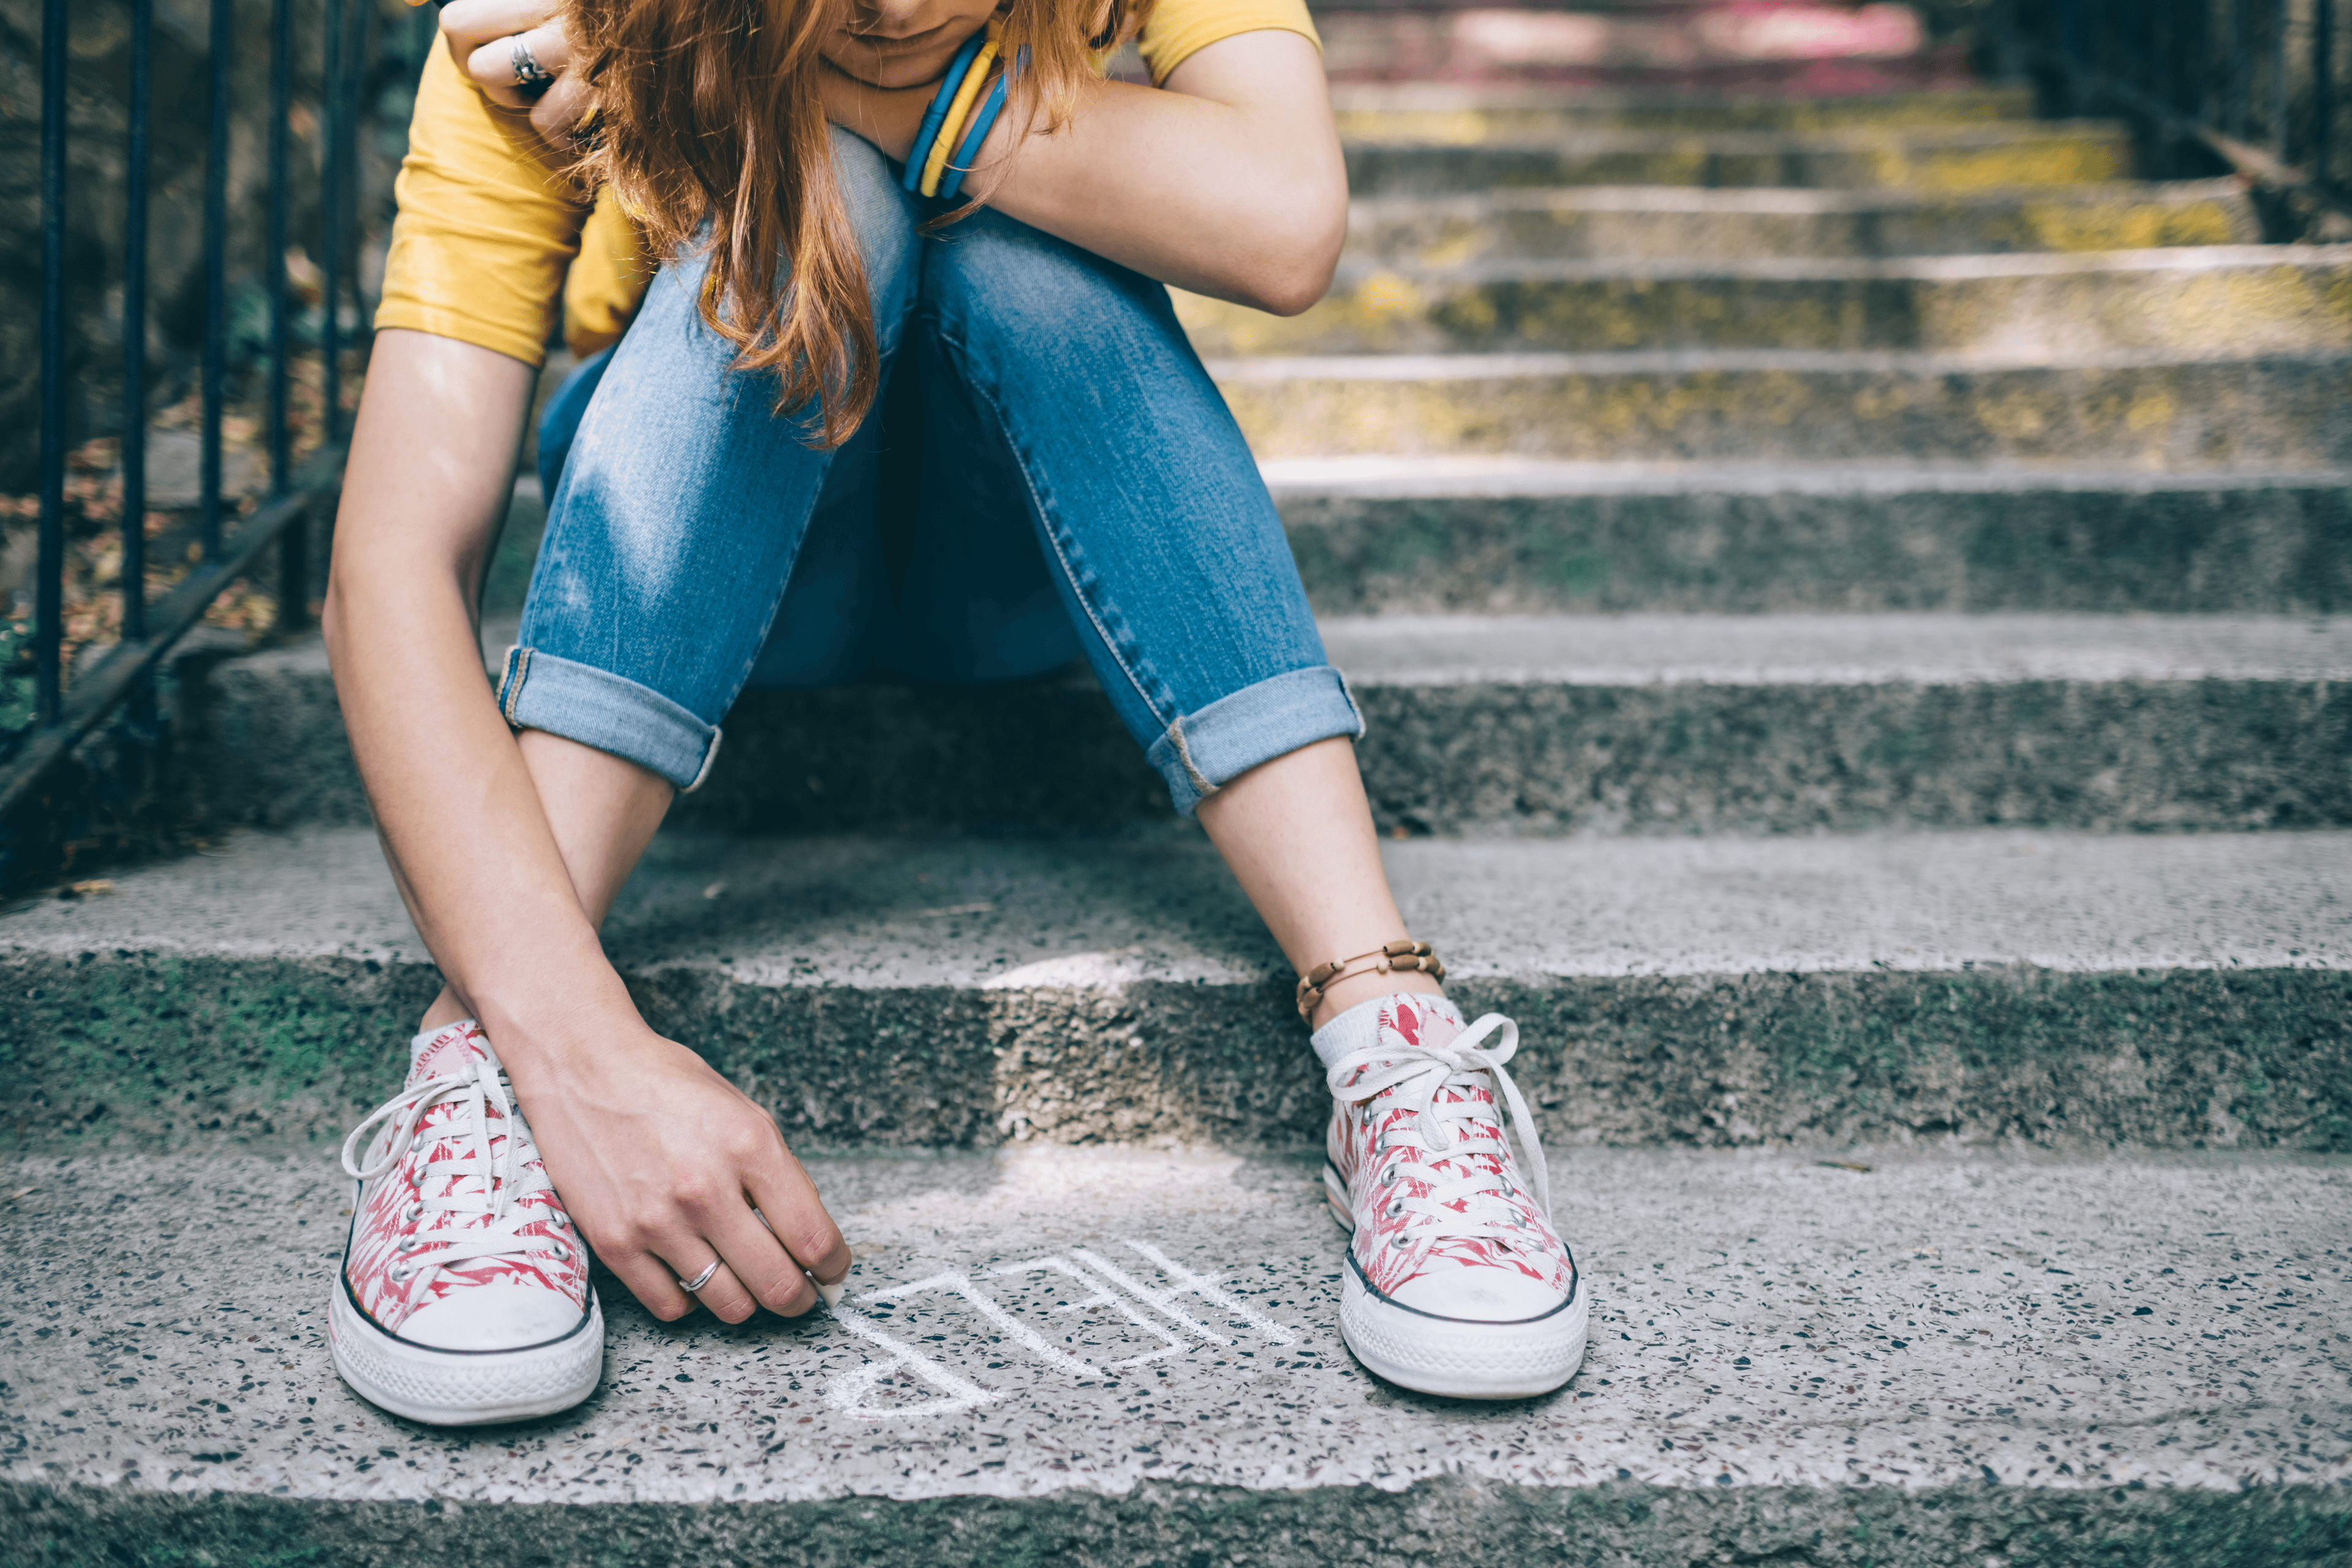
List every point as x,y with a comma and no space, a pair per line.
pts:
733,205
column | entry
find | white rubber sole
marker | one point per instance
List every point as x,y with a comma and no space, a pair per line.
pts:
464,1388
1449,1356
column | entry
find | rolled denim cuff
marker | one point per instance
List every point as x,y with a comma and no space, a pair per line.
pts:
1203,751
611,712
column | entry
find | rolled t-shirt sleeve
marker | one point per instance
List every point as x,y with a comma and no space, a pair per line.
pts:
487,227
1177,29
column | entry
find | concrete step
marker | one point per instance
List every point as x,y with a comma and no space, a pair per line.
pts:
1523,725
1377,535
1988,987
1461,116
1749,405
1936,1360
1922,158
1824,54
1670,224
2209,302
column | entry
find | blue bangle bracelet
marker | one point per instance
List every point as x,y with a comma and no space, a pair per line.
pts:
939,109
960,164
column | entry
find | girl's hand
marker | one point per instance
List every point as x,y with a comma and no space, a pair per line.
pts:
482,36
661,1162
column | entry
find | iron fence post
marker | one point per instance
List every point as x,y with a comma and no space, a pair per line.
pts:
2322,87
330,247
215,242
134,575
48,588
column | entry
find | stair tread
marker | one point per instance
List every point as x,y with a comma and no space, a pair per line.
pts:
1758,1321
1431,97
1433,367
1443,477
1101,914
1832,139
2185,261
1840,649
1789,199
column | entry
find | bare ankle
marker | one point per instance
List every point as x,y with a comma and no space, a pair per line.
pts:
446,1009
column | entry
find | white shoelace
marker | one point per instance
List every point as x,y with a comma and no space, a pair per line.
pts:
1419,1074
484,1195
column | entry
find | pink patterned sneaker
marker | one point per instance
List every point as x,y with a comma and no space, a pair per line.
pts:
1456,1283
464,1296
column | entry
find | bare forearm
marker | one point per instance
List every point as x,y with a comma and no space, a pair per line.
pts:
1232,185
431,460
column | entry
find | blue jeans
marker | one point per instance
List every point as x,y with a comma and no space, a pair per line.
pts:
1050,473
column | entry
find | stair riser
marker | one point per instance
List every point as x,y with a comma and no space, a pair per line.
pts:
2262,551
2057,158
1367,114
1548,758
1435,236
2250,412
1450,1524
2282,307
146,1051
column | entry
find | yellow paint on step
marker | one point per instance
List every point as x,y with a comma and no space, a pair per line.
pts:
2149,411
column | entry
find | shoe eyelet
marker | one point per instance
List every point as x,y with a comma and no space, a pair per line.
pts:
563,1253
398,1272
413,1213
406,1244
1396,1207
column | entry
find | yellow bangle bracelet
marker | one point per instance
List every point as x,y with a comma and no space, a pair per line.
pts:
958,111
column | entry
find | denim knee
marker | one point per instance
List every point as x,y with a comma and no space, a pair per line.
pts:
671,535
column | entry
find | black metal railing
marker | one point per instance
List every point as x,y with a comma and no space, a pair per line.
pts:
230,539
2255,83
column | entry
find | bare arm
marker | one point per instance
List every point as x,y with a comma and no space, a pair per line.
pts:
1228,183
654,1154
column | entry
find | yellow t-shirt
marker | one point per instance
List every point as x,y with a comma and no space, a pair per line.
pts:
491,236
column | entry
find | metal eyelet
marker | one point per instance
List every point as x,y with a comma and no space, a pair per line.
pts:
406,1244
563,1253
413,1213
1395,1208
398,1272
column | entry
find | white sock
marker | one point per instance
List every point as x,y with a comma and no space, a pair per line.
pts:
416,1047
1359,1025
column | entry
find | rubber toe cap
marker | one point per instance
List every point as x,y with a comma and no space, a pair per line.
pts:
499,1316
1489,1294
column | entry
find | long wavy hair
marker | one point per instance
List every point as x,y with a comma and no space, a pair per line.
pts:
707,124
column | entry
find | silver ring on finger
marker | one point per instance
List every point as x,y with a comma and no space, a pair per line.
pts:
528,71
699,1280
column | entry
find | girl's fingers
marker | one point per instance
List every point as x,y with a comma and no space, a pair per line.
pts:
470,24
560,107
758,1260
492,66
722,1292
788,1204
650,1281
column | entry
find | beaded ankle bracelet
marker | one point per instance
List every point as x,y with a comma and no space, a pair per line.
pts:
1404,954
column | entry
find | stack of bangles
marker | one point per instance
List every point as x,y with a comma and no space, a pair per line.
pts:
953,131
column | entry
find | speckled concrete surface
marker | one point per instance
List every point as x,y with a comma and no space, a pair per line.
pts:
1625,221
2061,990
1005,915
1758,1321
